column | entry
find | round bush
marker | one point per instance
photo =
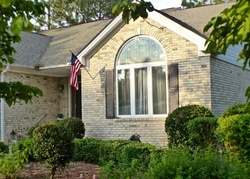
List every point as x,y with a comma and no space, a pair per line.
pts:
176,123
74,127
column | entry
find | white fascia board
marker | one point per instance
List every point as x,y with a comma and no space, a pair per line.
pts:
54,66
180,30
100,37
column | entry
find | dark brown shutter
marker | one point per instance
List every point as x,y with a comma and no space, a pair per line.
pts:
109,90
173,84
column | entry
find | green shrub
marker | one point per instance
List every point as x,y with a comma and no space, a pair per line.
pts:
180,163
52,146
87,150
30,131
129,159
235,133
176,123
11,164
74,126
237,108
111,150
138,151
202,132
26,147
4,148
121,170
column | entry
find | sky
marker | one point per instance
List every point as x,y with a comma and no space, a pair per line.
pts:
164,4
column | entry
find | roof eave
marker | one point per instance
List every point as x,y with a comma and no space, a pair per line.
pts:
101,38
177,27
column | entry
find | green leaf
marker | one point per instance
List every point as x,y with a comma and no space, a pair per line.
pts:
143,12
125,16
5,3
16,26
116,9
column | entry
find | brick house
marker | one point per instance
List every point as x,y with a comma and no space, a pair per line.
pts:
134,74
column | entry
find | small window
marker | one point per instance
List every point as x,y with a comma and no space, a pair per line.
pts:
141,78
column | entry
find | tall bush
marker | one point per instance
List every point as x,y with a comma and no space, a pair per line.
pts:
176,123
52,146
234,131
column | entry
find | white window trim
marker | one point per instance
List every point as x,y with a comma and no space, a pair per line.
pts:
131,68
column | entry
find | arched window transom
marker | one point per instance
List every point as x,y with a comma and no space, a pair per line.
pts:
141,78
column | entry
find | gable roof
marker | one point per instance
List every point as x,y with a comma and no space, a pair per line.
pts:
180,25
197,18
50,49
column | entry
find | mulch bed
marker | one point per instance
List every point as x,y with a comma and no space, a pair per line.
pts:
74,170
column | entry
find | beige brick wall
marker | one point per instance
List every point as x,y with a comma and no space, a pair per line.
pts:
21,116
229,83
193,77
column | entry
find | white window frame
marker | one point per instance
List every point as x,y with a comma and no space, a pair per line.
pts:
131,68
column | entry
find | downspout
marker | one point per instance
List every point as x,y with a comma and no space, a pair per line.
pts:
2,107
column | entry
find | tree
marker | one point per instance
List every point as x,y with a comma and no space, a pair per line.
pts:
72,12
198,3
133,9
15,16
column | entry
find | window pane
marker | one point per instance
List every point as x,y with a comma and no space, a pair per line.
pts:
124,92
159,90
141,91
141,50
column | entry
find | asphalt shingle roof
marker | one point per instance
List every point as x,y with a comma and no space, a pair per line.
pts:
31,49
52,47
73,38
198,17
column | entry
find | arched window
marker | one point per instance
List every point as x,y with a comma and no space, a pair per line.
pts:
141,78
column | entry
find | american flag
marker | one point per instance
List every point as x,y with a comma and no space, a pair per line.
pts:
74,69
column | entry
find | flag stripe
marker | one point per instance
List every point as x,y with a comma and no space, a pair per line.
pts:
74,69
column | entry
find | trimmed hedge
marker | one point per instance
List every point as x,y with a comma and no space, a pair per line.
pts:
111,150
87,150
